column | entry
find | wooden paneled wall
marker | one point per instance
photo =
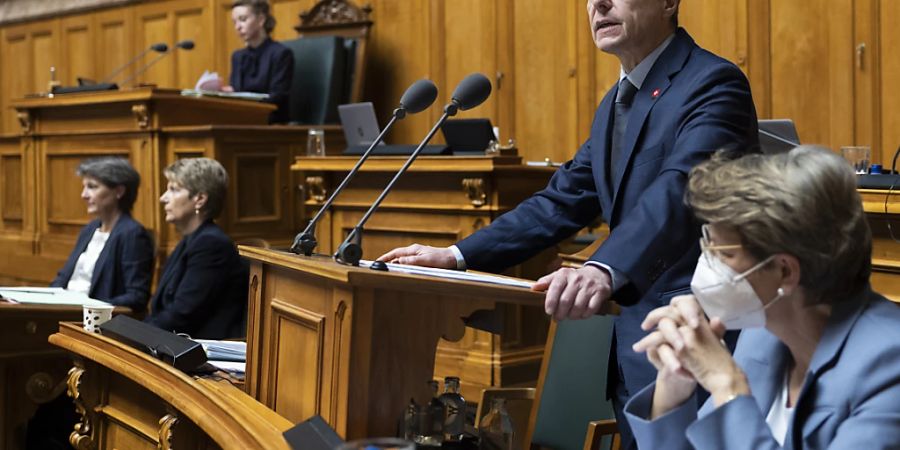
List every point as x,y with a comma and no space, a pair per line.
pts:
828,64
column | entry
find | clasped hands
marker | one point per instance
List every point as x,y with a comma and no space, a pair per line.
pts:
687,349
571,293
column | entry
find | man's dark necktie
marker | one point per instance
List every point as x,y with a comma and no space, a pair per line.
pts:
623,106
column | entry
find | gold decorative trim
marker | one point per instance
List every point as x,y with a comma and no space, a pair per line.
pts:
315,186
83,436
24,121
474,189
141,115
334,12
166,423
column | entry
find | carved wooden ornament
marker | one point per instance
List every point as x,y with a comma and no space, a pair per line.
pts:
83,436
331,12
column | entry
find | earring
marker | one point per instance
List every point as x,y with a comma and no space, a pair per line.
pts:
780,292
197,213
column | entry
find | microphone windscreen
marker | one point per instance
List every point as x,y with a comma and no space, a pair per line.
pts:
187,44
418,96
160,47
472,91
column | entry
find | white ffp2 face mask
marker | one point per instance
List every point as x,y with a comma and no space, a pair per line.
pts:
726,294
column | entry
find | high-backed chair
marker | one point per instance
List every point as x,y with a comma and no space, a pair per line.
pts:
572,384
569,409
345,19
318,84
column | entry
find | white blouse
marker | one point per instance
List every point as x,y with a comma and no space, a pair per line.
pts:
779,418
84,267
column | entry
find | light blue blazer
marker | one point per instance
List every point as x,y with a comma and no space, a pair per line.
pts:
849,400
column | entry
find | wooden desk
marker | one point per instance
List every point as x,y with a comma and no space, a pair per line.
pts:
129,400
40,209
440,200
883,212
352,344
31,370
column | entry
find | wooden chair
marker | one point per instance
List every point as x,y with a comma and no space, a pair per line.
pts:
600,429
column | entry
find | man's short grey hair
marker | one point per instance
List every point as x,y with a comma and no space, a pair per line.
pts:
201,175
113,172
803,202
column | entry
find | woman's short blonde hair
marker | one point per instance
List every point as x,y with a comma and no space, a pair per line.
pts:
201,175
802,202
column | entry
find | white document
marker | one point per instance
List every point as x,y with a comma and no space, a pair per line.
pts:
48,296
224,350
453,275
209,81
255,96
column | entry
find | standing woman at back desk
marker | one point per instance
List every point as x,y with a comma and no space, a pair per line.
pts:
263,66
113,256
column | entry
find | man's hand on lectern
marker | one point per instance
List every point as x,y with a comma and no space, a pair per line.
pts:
421,255
575,293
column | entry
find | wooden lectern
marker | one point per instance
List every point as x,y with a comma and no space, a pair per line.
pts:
129,400
352,344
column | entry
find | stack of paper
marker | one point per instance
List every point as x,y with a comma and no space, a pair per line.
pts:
224,350
230,356
256,96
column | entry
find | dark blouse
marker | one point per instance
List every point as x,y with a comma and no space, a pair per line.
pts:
267,69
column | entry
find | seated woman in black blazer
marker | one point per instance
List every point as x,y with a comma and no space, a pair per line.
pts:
113,256
203,288
264,66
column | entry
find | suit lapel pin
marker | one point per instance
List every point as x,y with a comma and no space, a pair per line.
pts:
655,94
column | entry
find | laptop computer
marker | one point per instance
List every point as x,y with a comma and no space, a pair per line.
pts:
360,124
361,129
777,135
468,136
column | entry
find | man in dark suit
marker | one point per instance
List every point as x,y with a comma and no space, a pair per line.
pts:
674,105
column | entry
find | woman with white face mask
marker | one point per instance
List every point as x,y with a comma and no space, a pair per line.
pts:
787,258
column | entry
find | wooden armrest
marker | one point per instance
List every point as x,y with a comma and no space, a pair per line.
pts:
597,430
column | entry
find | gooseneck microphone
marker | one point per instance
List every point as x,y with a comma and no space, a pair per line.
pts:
472,91
186,45
160,47
419,96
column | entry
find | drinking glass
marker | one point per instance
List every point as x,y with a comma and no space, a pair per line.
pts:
858,157
315,142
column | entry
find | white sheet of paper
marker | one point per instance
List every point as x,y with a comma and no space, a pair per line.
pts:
453,274
48,296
